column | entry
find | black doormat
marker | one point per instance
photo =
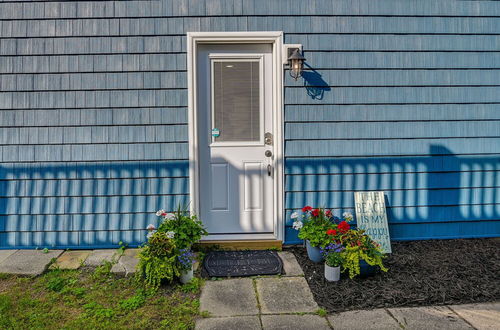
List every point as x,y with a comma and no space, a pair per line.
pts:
242,263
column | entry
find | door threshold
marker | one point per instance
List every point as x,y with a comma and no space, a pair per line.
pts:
263,244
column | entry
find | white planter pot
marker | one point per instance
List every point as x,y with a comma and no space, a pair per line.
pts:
332,274
186,276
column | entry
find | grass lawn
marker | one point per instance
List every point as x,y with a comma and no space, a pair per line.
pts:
94,298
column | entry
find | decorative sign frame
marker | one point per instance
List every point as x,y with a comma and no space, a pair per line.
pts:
372,217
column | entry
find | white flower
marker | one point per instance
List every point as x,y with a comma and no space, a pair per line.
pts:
151,227
159,213
294,215
347,216
170,234
297,225
168,216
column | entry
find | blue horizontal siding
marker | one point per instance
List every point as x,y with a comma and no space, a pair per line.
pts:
442,161
392,130
391,112
397,96
360,148
141,8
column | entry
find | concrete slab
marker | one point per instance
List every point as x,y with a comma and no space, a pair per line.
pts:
429,318
285,295
377,319
229,297
98,257
70,260
302,322
28,262
290,264
482,316
4,254
127,263
224,323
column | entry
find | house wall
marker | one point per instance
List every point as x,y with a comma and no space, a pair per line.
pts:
397,96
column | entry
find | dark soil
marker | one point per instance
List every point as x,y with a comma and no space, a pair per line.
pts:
421,273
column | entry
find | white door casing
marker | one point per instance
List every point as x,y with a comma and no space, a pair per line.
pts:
231,189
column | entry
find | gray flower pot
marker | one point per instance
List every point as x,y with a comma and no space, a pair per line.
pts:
332,274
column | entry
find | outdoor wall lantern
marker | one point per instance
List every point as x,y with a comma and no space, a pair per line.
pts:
295,63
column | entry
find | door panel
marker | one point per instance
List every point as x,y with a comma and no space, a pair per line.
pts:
220,188
235,112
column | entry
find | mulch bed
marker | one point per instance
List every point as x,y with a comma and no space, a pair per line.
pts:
421,273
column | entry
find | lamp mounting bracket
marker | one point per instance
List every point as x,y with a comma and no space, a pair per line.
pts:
288,50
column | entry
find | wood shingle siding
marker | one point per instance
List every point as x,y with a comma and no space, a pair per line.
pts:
400,96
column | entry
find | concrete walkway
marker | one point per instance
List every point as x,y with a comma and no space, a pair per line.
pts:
35,262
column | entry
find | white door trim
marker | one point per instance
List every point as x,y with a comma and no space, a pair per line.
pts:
275,38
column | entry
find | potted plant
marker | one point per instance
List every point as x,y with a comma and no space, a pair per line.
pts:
186,259
185,228
157,260
333,260
360,251
312,229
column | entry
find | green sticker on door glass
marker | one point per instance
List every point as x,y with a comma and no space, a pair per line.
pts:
215,132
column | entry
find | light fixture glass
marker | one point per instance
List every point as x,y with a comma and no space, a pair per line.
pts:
296,64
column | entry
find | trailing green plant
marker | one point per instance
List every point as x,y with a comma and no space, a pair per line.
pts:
184,228
313,226
158,260
357,246
193,286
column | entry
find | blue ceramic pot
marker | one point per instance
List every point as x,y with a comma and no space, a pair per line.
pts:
314,253
365,269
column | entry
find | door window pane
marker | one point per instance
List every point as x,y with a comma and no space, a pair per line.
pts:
236,112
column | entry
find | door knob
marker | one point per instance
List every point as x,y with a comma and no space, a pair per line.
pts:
269,153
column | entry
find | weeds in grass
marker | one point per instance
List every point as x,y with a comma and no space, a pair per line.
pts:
321,312
193,286
94,300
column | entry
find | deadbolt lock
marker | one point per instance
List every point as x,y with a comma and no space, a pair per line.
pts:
268,139
269,153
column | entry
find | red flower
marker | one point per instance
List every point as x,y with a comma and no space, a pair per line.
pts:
163,214
332,232
315,212
344,227
328,213
306,208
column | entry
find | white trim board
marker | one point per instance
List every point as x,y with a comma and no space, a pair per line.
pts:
276,39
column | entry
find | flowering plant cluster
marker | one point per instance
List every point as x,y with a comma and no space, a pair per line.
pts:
167,251
313,224
333,254
186,259
341,244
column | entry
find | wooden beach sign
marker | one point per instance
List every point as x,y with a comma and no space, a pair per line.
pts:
372,217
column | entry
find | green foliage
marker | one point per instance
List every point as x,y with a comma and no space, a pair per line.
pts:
56,284
88,302
135,301
359,246
102,272
321,312
177,321
97,312
188,228
193,286
314,230
333,259
158,260
122,247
